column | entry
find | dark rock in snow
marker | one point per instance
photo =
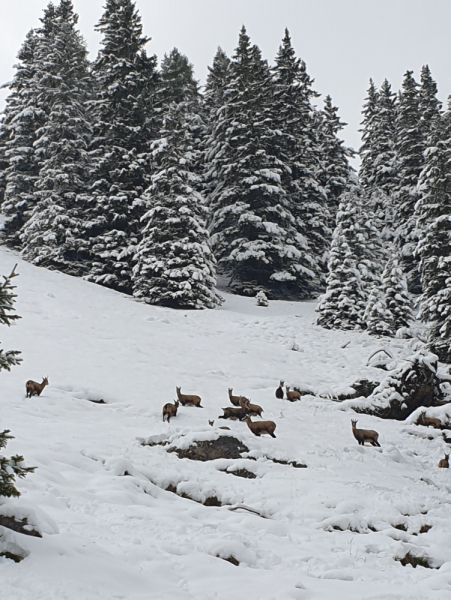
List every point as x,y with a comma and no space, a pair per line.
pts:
222,447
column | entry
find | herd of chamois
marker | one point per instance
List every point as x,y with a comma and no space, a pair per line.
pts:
243,410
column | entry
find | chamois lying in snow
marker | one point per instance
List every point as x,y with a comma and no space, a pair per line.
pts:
186,400
170,410
426,421
443,463
34,388
364,435
235,413
292,395
260,427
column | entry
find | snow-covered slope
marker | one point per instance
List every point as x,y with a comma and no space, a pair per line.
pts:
110,530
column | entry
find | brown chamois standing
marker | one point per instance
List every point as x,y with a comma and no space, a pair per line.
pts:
186,400
426,421
34,388
292,395
260,427
235,400
235,413
253,410
279,391
170,410
443,463
364,435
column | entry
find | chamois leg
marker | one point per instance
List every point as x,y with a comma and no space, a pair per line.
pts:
271,434
376,443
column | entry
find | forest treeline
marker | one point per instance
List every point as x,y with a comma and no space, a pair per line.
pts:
125,172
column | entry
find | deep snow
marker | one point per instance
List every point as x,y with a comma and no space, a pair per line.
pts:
111,531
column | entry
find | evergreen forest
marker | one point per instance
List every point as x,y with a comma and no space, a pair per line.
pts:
126,172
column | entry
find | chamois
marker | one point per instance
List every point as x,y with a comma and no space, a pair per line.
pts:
213,422
170,410
235,413
292,395
443,463
34,388
426,421
253,410
186,400
260,427
235,400
279,391
364,435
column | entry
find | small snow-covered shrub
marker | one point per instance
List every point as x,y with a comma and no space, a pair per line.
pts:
261,298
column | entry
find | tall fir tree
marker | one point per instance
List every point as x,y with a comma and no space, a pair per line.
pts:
253,230
409,147
433,212
55,235
126,80
336,174
430,106
175,266
216,83
367,152
177,83
297,147
21,118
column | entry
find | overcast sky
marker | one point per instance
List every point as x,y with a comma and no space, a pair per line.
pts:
343,42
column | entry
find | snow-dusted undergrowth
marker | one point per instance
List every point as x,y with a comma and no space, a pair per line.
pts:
110,530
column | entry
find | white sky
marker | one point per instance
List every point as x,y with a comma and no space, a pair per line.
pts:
344,42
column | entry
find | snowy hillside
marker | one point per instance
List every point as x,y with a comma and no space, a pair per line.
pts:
110,528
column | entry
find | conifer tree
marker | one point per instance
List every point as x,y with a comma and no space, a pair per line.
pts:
378,170
216,82
9,358
393,308
298,148
434,249
175,266
21,118
409,147
254,233
177,83
343,304
55,234
10,468
430,106
336,175
125,82
367,152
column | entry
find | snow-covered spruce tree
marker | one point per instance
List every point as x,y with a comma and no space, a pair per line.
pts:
343,304
21,118
9,358
297,148
392,309
216,83
175,266
177,83
430,106
336,173
409,148
433,212
254,232
11,468
55,236
125,81
366,151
